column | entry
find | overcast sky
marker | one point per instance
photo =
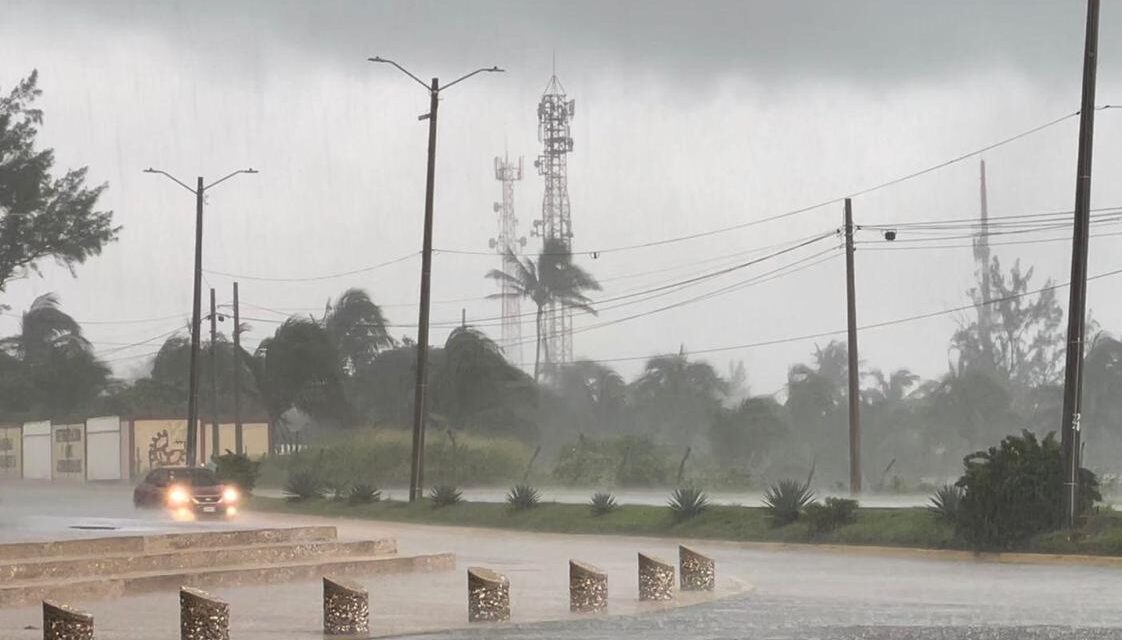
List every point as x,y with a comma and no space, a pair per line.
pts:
690,116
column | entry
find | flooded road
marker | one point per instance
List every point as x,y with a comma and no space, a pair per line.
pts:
797,593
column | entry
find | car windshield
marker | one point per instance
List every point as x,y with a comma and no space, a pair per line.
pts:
192,477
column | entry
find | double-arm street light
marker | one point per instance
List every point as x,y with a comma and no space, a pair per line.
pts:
416,471
193,385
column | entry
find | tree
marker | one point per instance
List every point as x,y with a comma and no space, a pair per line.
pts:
41,216
1025,342
357,328
298,367
679,397
473,385
553,279
746,435
594,394
50,364
816,403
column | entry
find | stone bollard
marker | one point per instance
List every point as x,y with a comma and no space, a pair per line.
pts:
698,572
60,622
588,588
656,579
346,608
202,616
488,596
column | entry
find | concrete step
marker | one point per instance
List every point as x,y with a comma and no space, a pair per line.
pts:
62,568
31,592
78,547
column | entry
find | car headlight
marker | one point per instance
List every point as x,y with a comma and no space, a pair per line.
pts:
230,494
178,496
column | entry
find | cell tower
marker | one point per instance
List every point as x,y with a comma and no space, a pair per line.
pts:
508,173
555,112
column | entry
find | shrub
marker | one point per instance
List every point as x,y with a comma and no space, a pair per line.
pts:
630,461
785,500
602,503
522,497
336,490
363,493
446,495
687,502
1013,491
945,503
837,512
303,484
237,469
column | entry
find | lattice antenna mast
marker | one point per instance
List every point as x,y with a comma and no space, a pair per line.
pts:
555,112
508,173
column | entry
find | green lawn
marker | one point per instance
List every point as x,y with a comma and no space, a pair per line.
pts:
887,527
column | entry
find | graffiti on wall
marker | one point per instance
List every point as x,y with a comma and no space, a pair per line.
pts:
163,452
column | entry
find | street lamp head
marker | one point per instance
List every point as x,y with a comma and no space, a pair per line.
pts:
496,70
377,59
150,170
251,170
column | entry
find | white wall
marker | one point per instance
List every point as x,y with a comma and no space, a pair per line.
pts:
103,448
37,450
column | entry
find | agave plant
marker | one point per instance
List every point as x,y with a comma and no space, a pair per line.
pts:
363,493
687,502
445,495
785,500
303,484
522,497
602,503
945,502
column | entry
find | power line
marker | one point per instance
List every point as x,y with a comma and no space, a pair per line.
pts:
836,200
879,246
331,276
875,325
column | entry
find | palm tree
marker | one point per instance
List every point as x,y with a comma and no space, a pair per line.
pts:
57,363
357,328
682,395
553,279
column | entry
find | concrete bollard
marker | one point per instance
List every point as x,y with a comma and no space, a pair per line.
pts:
346,608
656,579
698,572
588,588
60,622
488,596
202,616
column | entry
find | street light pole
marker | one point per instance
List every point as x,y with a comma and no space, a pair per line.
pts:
196,312
417,463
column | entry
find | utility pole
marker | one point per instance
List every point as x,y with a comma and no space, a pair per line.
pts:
1077,303
193,423
854,379
417,470
239,446
982,255
214,428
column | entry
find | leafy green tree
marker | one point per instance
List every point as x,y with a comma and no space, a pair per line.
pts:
816,405
299,367
748,434
1012,491
1101,422
592,397
475,386
1024,341
357,328
50,364
678,398
42,216
553,279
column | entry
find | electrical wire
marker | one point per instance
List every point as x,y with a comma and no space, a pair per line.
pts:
331,276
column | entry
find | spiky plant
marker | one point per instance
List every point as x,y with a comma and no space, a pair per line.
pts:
522,497
446,495
363,493
303,484
602,503
687,502
944,503
785,501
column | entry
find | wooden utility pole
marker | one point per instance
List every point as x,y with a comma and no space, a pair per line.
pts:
214,450
1077,302
193,422
854,375
982,255
417,472
239,445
